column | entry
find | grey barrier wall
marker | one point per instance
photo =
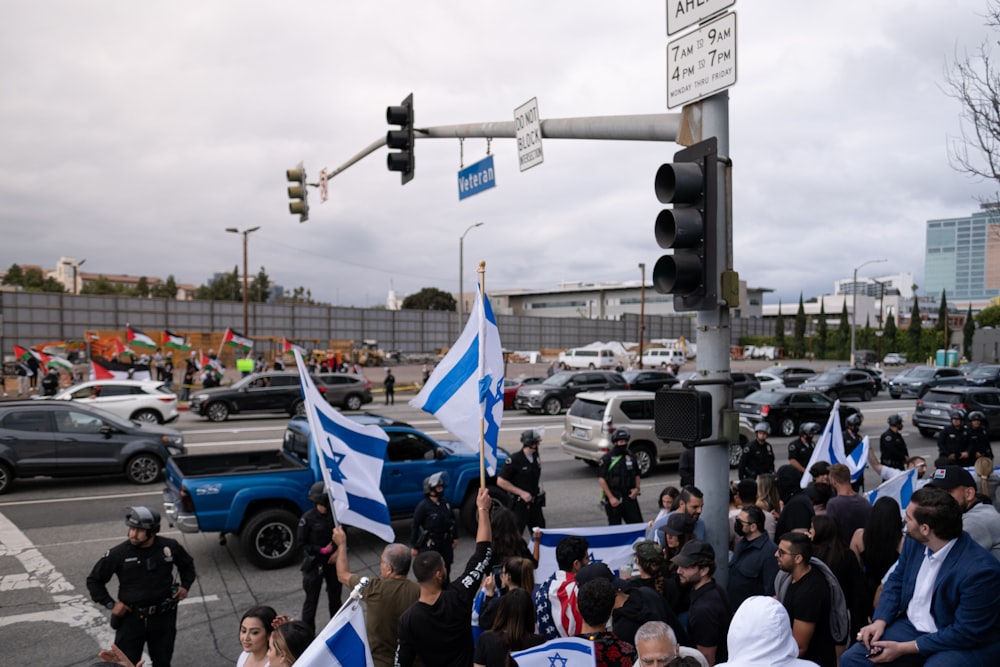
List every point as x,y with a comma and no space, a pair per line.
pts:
29,318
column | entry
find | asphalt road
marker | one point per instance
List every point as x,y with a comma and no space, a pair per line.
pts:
52,532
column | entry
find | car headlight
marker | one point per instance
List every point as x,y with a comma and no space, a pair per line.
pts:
200,397
173,440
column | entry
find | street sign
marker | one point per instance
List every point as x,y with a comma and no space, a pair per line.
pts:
476,177
702,62
528,128
684,13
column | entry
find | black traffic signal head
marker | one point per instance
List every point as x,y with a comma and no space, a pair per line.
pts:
682,415
401,139
690,228
298,194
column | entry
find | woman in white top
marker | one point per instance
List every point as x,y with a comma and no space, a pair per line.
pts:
255,630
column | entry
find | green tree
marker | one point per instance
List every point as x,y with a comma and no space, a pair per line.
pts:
822,331
989,317
260,287
913,351
14,275
33,280
142,288
50,284
166,289
968,332
100,286
226,287
844,332
300,296
942,323
866,335
430,298
799,344
779,332
889,334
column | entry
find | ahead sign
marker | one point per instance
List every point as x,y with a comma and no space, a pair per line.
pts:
685,13
701,63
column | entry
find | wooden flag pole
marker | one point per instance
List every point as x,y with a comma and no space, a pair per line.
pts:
482,363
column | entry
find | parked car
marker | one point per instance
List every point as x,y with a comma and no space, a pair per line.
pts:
744,384
139,400
768,381
792,376
556,393
277,391
69,439
877,374
510,388
915,382
894,359
786,409
843,383
987,375
649,380
931,413
346,390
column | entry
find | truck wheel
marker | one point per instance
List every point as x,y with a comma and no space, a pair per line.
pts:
269,539
645,456
468,516
353,402
217,412
552,406
6,478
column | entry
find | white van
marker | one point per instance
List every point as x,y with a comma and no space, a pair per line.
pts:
587,358
661,357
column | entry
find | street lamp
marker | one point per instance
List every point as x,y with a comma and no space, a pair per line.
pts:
245,233
642,310
854,300
461,294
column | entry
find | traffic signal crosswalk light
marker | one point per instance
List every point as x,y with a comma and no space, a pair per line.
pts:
401,139
690,228
298,194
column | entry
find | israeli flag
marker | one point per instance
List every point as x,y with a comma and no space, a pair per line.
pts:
562,652
466,388
830,448
611,545
342,643
899,488
350,457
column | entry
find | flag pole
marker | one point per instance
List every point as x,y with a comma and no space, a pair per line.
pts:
482,364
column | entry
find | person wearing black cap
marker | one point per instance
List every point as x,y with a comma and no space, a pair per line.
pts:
797,509
800,450
981,521
709,613
618,476
319,558
521,476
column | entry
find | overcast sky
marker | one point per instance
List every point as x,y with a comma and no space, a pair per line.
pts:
133,134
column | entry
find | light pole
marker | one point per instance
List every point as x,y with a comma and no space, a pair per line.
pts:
245,233
854,300
76,268
461,294
642,310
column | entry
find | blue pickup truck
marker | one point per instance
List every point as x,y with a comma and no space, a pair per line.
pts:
261,495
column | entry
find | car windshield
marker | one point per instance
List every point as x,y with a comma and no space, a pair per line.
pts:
921,372
559,379
115,420
828,376
985,372
763,397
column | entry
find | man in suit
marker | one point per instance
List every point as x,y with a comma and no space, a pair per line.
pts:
938,607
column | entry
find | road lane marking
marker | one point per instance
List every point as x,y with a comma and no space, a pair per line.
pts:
75,499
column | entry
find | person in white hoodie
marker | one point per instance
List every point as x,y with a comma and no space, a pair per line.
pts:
760,635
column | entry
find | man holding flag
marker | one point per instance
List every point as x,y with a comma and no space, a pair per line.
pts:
832,448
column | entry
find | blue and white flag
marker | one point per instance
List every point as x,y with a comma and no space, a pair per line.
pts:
466,388
342,643
611,545
830,448
351,457
562,652
899,488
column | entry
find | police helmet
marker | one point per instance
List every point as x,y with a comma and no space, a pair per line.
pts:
976,416
144,518
435,480
809,428
621,433
855,420
762,427
958,413
317,494
895,420
529,438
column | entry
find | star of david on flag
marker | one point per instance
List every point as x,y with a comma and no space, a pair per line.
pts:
562,652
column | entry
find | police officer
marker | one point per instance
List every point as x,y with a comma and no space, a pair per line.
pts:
757,457
977,437
951,439
520,477
852,434
800,450
319,558
433,527
618,476
892,447
50,383
146,609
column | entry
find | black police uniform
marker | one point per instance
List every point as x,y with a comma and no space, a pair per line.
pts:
977,442
851,440
619,468
800,452
316,532
525,474
757,459
433,529
951,442
892,450
146,585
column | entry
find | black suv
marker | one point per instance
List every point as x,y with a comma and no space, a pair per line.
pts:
987,375
842,383
744,384
556,393
67,439
915,382
787,409
932,411
278,391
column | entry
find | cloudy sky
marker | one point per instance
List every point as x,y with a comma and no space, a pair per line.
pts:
133,134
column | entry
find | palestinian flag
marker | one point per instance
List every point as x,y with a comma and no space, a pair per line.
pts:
237,340
105,369
288,347
23,354
120,349
138,338
176,342
57,362
204,362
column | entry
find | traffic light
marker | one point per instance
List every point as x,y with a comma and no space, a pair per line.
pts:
682,415
690,228
403,161
298,194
